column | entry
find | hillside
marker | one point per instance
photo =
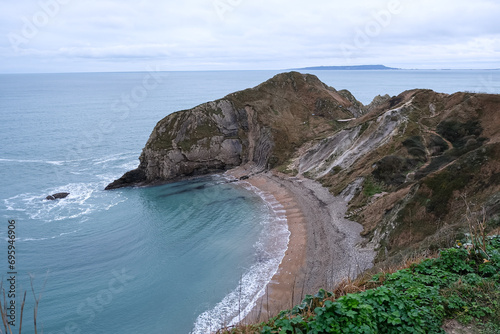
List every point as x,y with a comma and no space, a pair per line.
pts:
410,166
407,164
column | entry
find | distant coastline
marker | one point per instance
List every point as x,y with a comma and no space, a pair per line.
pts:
381,68
347,68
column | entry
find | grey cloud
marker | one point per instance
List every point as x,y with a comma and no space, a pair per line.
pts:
194,34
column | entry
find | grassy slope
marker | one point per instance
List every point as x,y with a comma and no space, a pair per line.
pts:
462,283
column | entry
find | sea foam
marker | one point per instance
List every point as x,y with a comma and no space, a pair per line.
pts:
269,252
84,198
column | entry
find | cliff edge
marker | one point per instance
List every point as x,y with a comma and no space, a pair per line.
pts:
261,127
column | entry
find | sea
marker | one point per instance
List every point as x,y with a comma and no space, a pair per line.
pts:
185,257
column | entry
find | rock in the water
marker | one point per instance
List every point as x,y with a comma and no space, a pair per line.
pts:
56,196
133,177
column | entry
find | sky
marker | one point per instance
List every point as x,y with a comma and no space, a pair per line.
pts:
46,36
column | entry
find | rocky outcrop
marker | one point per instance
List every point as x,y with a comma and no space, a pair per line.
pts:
261,127
347,146
57,196
134,177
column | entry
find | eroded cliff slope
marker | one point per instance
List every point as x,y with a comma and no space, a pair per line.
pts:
412,168
261,126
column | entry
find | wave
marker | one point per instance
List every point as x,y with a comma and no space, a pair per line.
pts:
115,165
84,198
129,161
45,238
116,157
50,162
95,161
270,251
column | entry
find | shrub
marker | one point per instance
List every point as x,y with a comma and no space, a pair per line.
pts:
458,284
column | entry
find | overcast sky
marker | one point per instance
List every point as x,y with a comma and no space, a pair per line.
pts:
130,35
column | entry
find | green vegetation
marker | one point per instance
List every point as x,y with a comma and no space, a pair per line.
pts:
415,147
364,127
454,178
458,133
203,131
443,185
169,128
370,187
163,140
437,145
463,283
327,108
336,169
284,169
391,170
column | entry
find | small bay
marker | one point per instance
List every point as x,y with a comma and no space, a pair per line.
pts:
141,260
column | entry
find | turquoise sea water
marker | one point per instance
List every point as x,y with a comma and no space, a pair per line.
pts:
175,258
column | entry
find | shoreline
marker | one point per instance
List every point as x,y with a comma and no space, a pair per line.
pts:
283,290
323,247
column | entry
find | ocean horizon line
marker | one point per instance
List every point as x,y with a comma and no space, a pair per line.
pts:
314,68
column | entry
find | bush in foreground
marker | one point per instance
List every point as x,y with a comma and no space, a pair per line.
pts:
463,283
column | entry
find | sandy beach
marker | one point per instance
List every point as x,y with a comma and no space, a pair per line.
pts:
323,247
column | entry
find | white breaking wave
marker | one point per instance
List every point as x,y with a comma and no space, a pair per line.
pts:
56,163
84,198
131,161
270,251
116,157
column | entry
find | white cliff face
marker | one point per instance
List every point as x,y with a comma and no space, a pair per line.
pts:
323,157
345,147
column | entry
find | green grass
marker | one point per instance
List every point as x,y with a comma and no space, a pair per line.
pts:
284,169
370,187
463,283
443,185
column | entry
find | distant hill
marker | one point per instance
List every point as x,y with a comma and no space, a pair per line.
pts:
348,68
